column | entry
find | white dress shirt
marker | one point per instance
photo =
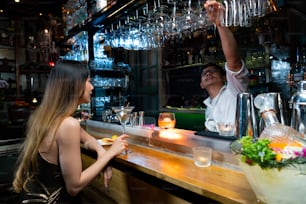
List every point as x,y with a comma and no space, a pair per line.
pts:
222,108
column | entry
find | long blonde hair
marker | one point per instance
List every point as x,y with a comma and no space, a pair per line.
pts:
65,87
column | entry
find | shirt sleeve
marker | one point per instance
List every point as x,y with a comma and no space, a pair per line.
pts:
237,82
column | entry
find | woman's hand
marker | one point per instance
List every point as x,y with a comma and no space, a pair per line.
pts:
119,145
107,175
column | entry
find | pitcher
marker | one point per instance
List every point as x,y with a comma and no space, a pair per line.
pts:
246,122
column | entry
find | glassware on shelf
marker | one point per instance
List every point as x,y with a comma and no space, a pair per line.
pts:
79,51
166,19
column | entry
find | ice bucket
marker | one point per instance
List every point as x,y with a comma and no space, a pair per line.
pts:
273,186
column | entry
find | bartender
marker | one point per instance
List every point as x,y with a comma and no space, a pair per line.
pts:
223,85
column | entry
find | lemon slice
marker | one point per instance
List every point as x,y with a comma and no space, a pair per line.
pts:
107,140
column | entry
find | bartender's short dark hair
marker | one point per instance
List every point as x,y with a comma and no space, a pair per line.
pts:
221,69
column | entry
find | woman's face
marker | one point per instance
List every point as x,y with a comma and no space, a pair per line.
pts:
87,92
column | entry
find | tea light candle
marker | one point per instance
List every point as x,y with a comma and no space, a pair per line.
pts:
226,127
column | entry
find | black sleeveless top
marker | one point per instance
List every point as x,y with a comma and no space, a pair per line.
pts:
47,186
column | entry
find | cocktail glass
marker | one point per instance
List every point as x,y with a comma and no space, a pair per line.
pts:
123,113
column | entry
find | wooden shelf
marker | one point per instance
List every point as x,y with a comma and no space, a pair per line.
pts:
9,69
175,67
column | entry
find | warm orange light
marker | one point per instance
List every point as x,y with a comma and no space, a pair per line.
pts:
169,135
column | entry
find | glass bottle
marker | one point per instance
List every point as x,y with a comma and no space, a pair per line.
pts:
298,72
274,130
141,118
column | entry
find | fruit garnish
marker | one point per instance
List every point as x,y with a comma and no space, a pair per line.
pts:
276,153
107,140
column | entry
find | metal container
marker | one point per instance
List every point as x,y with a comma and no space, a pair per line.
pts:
246,122
298,105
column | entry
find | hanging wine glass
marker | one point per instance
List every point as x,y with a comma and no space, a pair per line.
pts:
114,41
174,23
161,20
148,29
128,34
202,21
188,19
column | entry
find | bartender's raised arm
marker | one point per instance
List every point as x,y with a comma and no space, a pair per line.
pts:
228,41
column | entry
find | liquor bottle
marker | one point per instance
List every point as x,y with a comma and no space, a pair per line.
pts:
298,72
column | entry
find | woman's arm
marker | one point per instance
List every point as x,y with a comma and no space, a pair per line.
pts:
90,142
69,135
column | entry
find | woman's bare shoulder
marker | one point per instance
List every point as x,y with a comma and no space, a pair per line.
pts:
69,124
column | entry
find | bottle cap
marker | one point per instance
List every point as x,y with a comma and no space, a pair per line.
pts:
264,102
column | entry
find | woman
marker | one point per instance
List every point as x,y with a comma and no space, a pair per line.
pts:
49,167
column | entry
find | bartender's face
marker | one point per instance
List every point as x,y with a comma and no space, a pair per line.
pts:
211,76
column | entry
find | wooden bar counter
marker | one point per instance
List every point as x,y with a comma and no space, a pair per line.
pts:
164,172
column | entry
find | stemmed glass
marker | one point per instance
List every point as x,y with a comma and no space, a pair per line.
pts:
122,113
161,21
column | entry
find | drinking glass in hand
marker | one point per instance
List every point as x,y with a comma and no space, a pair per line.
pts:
122,113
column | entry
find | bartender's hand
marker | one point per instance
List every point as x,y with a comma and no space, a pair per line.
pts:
214,11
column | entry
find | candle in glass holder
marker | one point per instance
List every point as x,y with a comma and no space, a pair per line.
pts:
166,120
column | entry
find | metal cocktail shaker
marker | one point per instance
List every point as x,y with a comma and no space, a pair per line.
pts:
298,105
246,122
